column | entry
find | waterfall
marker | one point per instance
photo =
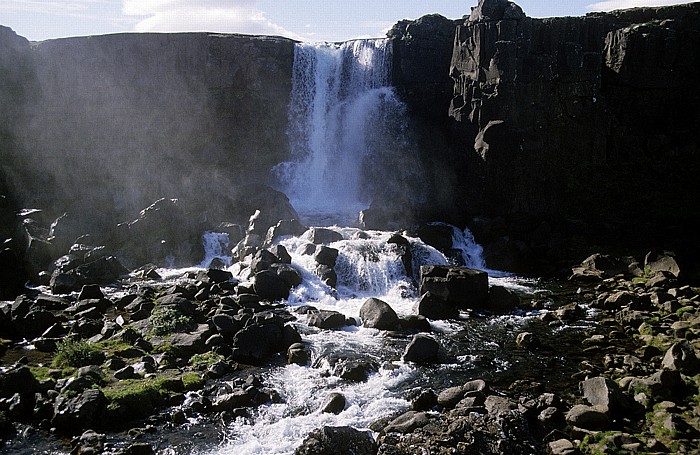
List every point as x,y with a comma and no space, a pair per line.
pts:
340,115
216,246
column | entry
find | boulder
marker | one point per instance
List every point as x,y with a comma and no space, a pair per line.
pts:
432,306
326,255
407,422
256,343
73,414
461,287
288,274
422,349
662,261
90,291
604,393
284,228
297,354
404,249
326,319
354,369
681,357
600,266
502,300
104,270
588,417
17,380
269,286
378,314
322,236
334,403
337,440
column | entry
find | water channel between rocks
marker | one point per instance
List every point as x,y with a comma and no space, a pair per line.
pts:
473,346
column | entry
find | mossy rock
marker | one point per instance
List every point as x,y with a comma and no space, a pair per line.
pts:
136,398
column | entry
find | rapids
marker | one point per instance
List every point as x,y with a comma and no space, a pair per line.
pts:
367,266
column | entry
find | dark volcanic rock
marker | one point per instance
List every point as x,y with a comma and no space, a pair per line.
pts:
13,275
378,314
337,440
459,287
422,349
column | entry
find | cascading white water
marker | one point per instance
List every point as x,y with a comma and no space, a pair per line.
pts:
216,246
367,266
339,107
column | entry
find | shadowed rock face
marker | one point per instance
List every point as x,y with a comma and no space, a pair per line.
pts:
590,118
115,122
570,114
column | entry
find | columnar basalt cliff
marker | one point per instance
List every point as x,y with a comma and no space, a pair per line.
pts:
592,120
115,122
589,117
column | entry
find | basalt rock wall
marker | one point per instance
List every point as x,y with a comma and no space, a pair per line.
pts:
592,118
111,123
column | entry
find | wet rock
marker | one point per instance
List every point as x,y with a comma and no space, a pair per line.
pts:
588,417
449,397
355,370
407,422
269,286
255,343
334,403
284,228
436,307
137,448
263,260
422,349
322,236
460,287
425,401
325,255
239,398
288,274
404,249
327,275
281,253
90,291
337,440
72,277
297,354
89,443
502,300
378,314
326,319
681,356
416,322
527,340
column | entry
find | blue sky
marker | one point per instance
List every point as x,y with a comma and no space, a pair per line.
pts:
308,20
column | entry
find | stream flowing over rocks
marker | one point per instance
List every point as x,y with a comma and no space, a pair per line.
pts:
268,355
473,236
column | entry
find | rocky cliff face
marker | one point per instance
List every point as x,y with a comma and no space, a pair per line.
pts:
591,117
115,122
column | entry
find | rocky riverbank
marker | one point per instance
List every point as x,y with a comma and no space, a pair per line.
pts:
119,368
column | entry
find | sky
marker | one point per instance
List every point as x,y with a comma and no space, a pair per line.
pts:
305,20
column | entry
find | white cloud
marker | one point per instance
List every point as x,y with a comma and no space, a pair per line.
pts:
610,5
224,16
